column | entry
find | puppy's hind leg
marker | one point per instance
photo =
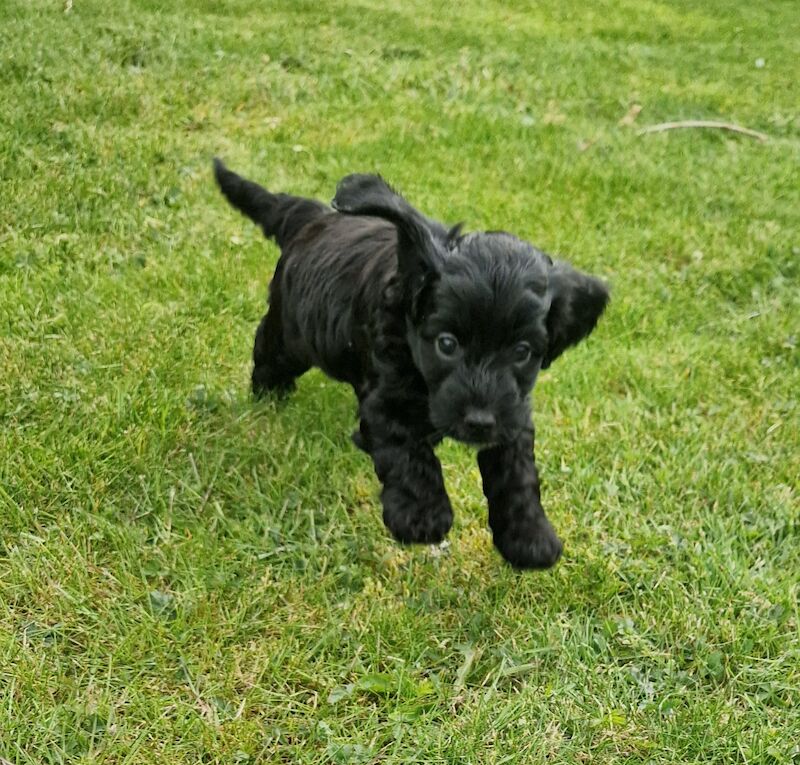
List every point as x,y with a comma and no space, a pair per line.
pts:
274,368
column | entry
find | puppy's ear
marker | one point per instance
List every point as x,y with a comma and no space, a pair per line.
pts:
577,301
419,239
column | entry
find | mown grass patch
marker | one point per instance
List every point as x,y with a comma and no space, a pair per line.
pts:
187,576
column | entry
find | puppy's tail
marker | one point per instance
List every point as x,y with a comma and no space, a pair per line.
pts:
281,216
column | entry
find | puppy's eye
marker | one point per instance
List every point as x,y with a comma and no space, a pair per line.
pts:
521,353
446,345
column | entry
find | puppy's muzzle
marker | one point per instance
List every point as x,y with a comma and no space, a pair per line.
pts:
479,425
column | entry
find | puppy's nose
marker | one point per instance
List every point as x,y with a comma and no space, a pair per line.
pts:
479,421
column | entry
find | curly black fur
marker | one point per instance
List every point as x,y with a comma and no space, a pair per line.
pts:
439,334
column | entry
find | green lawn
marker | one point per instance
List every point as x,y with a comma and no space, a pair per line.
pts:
189,577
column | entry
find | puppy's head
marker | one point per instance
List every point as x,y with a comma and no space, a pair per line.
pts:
484,313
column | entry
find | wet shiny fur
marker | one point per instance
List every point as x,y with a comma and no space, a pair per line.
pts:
439,334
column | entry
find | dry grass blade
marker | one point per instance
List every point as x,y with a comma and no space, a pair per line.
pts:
664,126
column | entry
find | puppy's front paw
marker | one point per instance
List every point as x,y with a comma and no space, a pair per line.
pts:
530,544
416,521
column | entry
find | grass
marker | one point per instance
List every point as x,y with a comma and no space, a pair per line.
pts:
187,576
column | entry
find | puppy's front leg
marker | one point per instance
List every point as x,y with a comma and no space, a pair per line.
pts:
520,529
416,508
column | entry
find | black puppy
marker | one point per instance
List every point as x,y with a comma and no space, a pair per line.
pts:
439,333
